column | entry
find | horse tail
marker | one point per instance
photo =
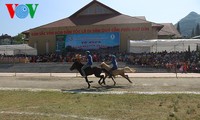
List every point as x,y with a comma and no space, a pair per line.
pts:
128,69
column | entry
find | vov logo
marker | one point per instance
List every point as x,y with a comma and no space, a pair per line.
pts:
22,10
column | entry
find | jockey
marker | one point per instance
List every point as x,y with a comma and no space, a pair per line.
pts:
88,64
114,65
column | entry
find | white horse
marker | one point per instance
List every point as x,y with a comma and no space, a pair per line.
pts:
119,71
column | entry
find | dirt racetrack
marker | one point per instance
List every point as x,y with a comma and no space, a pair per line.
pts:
147,83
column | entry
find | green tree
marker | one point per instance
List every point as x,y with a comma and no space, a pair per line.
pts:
19,39
193,33
178,28
197,30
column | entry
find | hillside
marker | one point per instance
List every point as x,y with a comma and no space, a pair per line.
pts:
188,23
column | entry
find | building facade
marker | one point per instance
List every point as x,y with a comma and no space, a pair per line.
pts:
88,26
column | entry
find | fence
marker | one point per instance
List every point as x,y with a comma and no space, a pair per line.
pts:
14,60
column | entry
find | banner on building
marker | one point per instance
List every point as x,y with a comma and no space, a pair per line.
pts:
93,41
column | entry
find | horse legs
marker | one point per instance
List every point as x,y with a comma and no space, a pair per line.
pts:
113,80
88,82
126,76
101,78
128,79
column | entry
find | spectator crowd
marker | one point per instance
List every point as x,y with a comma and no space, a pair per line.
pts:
188,61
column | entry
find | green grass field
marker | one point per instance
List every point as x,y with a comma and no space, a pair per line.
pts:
23,105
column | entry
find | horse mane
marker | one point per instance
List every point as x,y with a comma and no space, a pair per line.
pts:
77,62
80,63
104,65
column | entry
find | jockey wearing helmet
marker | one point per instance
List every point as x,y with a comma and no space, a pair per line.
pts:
88,64
114,65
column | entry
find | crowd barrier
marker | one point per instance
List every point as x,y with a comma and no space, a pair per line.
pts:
134,75
14,60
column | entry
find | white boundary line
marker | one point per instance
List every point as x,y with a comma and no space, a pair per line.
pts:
103,92
137,92
29,89
48,115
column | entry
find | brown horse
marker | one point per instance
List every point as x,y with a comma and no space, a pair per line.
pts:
89,71
119,71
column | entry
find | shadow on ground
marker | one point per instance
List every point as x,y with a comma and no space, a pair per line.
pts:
94,89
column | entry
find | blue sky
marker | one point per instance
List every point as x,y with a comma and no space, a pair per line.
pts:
159,11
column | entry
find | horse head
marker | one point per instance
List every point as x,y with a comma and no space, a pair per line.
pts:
76,65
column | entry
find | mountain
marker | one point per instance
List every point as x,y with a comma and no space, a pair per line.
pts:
188,23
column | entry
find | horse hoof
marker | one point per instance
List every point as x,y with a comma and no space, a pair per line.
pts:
99,83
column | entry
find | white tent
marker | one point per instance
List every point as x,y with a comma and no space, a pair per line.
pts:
159,45
20,49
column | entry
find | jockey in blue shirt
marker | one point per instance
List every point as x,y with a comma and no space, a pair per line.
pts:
88,64
114,65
